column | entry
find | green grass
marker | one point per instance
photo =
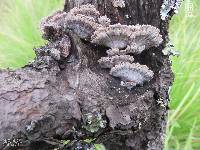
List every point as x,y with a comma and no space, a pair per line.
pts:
184,116
19,29
19,33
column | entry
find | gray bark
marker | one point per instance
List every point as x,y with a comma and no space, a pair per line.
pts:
46,105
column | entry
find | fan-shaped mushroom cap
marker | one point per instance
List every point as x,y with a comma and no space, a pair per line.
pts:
83,26
109,62
132,74
134,38
52,24
104,21
113,36
86,10
144,37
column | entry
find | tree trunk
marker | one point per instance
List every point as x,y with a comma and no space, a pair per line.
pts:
39,107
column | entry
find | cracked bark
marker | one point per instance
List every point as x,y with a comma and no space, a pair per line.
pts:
43,106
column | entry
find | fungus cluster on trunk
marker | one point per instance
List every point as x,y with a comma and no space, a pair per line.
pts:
124,41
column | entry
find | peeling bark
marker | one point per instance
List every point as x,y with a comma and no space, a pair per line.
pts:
46,105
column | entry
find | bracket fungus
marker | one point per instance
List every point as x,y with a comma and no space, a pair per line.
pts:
109,62
135,38
82,21
124,40
52,25
144,37
132,74
113,36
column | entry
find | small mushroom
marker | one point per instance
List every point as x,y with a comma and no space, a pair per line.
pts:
109,62
52,25
132,74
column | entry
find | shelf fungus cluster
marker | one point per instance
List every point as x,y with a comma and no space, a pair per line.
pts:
123,40
126,40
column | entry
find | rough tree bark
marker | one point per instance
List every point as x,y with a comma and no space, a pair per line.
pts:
40,107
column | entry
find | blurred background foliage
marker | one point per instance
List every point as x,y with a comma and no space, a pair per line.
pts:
19,34
19,29
184,116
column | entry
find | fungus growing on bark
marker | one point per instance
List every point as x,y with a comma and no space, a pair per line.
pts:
123,40
52,25
83,26
129,39
113,36
132,74
109,62
104,21
118,3
82,21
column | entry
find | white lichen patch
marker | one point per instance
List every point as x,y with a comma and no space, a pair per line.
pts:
93,121
170,50
132,74
169,5
118,3
109,62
